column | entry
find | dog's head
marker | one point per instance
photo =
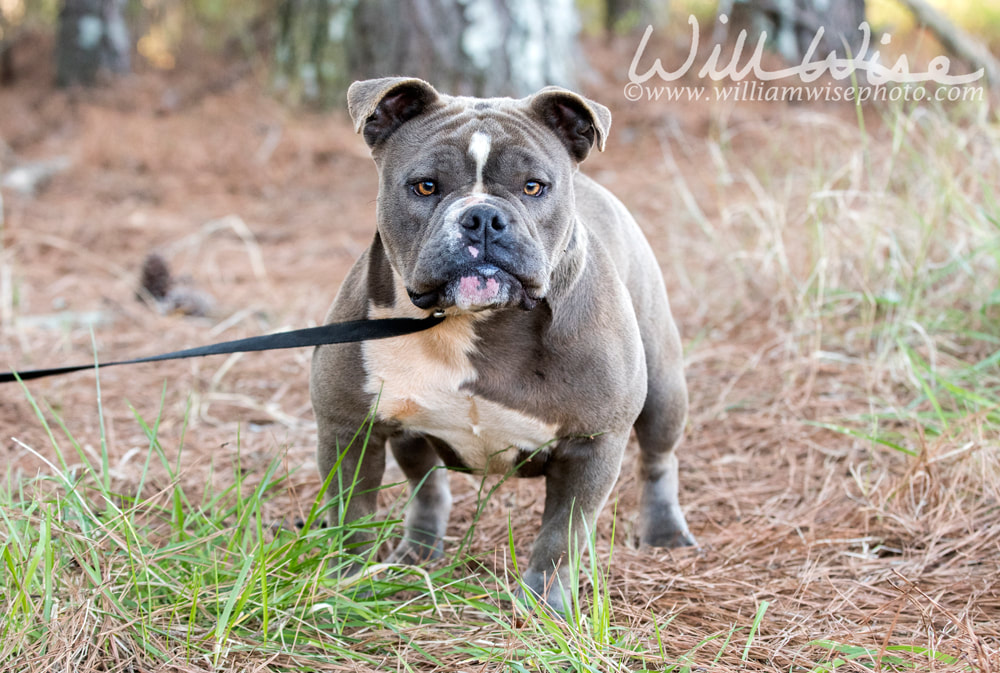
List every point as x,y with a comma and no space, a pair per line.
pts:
476,202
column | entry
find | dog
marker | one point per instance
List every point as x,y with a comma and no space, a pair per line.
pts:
557,336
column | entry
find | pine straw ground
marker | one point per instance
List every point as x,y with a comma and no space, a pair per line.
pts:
835,285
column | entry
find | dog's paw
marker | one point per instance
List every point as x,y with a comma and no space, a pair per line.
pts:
544,591
662,525
668,539
412,552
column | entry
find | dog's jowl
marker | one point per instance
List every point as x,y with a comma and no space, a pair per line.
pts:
557,340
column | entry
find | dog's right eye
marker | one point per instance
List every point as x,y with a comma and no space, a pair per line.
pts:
425,188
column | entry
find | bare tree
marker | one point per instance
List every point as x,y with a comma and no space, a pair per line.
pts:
792,25
476,47
92,36
956,40
6,51
625,15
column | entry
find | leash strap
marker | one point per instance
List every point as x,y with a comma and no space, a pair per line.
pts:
334,333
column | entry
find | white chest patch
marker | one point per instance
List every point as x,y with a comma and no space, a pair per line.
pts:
418,379
479,150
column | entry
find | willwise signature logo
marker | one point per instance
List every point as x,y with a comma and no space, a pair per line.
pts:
809,70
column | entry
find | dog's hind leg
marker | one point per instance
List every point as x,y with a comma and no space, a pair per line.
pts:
659,428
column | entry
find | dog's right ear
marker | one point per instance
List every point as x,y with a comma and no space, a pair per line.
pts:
380,106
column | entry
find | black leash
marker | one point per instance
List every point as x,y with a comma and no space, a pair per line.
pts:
334,333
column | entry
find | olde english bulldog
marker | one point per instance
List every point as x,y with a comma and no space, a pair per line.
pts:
557,338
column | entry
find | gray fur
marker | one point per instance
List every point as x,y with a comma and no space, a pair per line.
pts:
559,324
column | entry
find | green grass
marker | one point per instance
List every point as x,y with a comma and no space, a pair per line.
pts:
115,578
141,576
892,261
118,578
874,659
872,256
932,316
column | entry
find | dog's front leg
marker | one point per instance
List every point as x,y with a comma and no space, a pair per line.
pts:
356,466
427,513
579,477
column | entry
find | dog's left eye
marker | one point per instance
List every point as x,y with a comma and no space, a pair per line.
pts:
533,188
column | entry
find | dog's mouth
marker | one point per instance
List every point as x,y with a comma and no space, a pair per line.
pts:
477,288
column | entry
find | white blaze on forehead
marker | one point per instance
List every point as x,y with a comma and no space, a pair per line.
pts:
479,149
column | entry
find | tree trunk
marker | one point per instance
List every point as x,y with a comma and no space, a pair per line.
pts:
6,51
92,36
623,16
791,25
956,40
473,47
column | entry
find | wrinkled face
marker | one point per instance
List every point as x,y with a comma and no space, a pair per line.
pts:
475,204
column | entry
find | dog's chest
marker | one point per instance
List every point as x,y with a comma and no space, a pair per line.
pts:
421,382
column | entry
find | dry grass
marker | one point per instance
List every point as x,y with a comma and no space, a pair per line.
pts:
837,292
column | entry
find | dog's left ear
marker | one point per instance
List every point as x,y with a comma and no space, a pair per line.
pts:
579,122
380,106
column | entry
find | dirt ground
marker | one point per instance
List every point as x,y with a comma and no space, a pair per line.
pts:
263,209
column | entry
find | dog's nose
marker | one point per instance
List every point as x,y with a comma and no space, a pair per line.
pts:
484,222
